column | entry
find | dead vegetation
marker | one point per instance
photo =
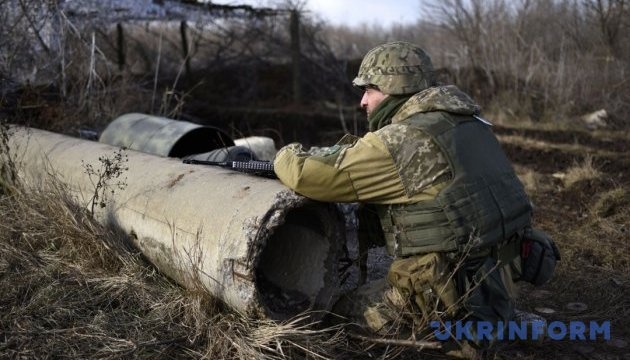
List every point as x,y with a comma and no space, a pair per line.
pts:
580,172
582,201
73,288
543,60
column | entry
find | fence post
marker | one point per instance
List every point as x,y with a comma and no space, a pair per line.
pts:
120,39
294,29
183,30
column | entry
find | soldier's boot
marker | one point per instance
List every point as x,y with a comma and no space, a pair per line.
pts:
532,320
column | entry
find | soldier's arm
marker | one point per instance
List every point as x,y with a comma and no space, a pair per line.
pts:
363,171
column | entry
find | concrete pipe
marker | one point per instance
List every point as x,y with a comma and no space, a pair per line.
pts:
262,249
162,136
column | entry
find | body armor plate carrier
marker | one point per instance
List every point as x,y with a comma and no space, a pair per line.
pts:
484,206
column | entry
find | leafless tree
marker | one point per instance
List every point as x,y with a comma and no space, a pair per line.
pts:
609,16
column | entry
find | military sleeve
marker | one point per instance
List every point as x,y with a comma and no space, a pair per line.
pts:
422,166
362,171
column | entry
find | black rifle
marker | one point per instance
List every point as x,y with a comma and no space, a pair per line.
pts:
260,168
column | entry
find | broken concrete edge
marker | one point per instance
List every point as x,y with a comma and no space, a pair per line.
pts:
260,230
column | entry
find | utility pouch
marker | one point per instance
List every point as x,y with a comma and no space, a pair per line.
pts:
426,280
539,255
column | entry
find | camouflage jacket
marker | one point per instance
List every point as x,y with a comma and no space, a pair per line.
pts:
396,164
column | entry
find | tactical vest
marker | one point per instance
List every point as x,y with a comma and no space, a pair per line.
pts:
484,206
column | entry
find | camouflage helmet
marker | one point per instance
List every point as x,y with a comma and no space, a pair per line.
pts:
396,68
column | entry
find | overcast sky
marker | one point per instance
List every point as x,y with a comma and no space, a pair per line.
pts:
353,12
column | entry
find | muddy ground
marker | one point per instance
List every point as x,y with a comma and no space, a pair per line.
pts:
588,214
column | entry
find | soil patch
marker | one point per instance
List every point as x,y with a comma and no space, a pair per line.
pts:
569,137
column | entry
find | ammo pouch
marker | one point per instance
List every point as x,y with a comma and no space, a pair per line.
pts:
426,281
539,255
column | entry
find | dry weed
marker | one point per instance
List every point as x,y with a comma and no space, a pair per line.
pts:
608,230
73,288
613,202
580,172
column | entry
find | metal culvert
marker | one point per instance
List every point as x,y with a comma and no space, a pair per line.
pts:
162,136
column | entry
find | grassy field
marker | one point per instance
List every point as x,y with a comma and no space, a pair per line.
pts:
71,288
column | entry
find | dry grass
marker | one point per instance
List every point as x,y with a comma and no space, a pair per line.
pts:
574,148
612,203
585,170
595,268
588,213
605,241
532,180
73,288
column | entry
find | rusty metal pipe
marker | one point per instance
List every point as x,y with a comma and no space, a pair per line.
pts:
262,249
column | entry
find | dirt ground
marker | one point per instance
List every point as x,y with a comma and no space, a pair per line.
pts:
579,184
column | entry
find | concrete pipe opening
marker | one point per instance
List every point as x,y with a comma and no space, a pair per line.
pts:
297,268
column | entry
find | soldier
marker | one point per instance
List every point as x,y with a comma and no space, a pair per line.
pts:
450,206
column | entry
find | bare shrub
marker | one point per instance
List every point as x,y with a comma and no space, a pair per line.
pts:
65,81
548,59
106,177
99,69
545,55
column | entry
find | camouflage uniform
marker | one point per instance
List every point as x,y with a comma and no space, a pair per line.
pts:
428,193
376,168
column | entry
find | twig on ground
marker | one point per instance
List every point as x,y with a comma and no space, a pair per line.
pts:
399,342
